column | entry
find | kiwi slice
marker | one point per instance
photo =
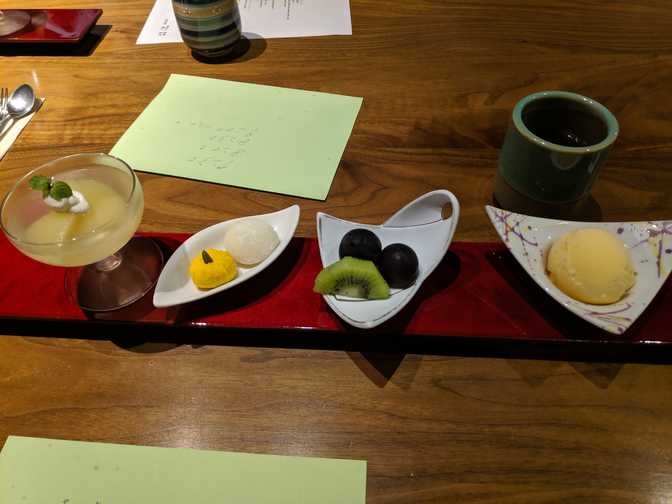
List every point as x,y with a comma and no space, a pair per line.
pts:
352,277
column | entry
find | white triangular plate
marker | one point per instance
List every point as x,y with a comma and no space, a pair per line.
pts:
650,244
175,287
419,225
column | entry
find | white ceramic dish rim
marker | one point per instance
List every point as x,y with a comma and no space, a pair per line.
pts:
292,212
423,274
434,217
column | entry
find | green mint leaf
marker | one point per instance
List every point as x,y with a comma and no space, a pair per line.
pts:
206,257
40,183
60,190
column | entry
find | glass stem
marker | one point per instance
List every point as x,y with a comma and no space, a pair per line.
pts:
109,263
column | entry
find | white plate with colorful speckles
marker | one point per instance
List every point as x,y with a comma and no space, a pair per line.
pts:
650,244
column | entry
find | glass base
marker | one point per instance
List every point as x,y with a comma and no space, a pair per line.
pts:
116,281
13,21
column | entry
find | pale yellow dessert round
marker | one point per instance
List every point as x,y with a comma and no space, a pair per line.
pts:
591,265
250,241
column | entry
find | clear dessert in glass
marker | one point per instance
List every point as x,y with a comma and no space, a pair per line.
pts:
82,211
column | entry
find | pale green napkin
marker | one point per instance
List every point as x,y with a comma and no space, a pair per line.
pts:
259,137
46,471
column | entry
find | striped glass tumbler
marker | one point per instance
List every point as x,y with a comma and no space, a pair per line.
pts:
211,28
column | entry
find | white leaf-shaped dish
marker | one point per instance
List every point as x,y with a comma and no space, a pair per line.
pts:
419,225
175,286
650,244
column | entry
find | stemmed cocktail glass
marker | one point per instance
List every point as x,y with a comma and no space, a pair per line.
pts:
107,267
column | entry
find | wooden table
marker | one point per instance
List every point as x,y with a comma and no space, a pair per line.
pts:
439,79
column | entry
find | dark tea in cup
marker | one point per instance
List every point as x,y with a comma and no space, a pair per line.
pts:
564,122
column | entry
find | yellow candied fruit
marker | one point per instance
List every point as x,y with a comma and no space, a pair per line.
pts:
212,268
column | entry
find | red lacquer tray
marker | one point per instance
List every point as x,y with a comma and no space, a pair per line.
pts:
51,25
478,291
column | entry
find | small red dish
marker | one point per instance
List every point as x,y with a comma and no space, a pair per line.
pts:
46,25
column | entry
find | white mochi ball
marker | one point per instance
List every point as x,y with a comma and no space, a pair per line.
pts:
250,241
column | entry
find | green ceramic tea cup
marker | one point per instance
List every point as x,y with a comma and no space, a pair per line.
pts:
554,148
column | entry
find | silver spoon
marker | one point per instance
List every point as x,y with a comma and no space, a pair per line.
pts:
20,103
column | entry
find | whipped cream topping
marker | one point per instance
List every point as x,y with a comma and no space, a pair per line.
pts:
74,204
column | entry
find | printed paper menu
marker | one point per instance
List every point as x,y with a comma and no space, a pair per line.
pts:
261,19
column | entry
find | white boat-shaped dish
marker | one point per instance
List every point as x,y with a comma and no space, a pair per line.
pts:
420,225
175,287
650,244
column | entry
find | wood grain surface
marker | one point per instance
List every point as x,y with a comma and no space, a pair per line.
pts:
440,430
439,79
